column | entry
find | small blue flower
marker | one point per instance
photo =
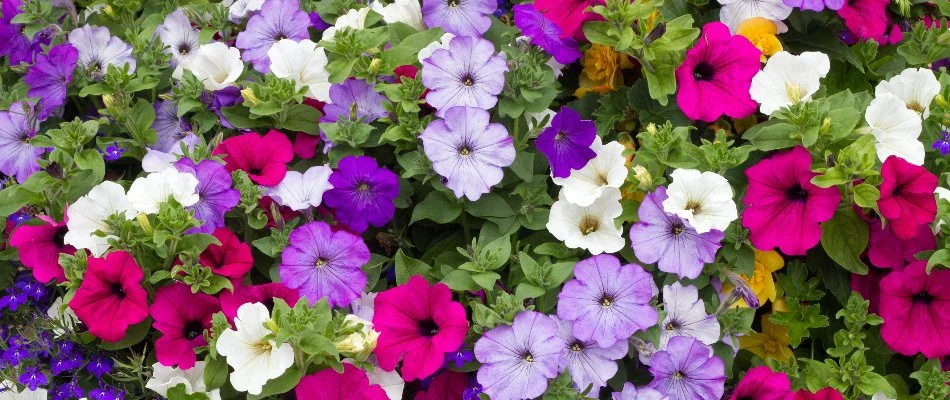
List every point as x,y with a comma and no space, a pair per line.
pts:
943,144
473,391
113,152
32,377
19,217
99,366
106,393
459,357
67,391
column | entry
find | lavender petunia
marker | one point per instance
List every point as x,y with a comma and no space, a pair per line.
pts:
49,78
545,34
666,239
179,36
816,5
18,158
468,73
168,125
353,99
98,49
320,263
363,193
278,19
518,359
686,370
567,142
607,302
588,363
216,197
468,151
459,17
686,316
631,392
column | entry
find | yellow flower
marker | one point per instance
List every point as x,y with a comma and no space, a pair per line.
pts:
761,283
602,70
772,343
761,32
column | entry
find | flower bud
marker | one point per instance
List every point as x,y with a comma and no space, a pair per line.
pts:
249,97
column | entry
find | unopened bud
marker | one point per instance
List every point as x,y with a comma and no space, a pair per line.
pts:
143,222
651,129
643,177
249,97
375,65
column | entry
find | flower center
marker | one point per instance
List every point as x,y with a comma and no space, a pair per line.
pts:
428,328
694,206
606,301
467,80
577,346
589,225
59,238
117,290
677,229
794,92
914,105
184,49
454,3
527,357
679,375
362,187
192,329
672,325
320,263
464,151
703,72
771,346
923,298
796,193
263,347
560,136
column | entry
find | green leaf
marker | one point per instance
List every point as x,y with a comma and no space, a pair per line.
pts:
437,207
239,117
844,237
133,335
178,392
662,83
799,320
867,196
528,291
870,383
486,279
407,266
302,118
460,280
772,135
490,205
314,344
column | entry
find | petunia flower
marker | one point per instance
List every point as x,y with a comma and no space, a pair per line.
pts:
353,19
591,228
569,15
363,193
50,76
215,195
179,37
157,161
182,317
631,392
353,99
912,304
442,43
771,344
703,199
300,191
606,170
232,258
264,158
148,193
788,79
783,208
686,316
886,250
419,324
408,12
13,43
304,63
896,129
867,19
240,9
39,246
89,214
687,369
468,151
518,359
215,65
169,127
469,74
254,358
602,70
459,17
915,87
98,49
907,196
278,19
588,364
18,157
823,394
816,5
664,238
716,76
545,34
320,263
328,384
567,141
761,383
733,12
447,385
264,294
164,378
111,297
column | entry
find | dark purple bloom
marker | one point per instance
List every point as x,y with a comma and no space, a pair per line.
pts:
98,49
223,98
943,144
278,19
320,263
318,23
687,369
363,193
18,347
99,366
106,393
66,362
459,358
469,73
215,195
13,43
816,5
566,143
32,377
30,287
113,152
353,100
545,34
67,391
17,156
518,359
49,78
473,391
459,17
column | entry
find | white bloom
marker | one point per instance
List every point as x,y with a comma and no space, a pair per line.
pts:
592,227
704,199
556,67
353,19
241,8
408,12
361,342
89,214
606,170
254,359
896,129
164,378
365,306
62,314
214,64
390,381
942,194
304,63
915,87
880,396
158,161
443,43
302,191
686,316
788,79
149,192
9,392
733,12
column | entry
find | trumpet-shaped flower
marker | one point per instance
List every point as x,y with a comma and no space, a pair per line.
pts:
254,357
90,213
704,199
304,63
591,228
896,129
606,170
788,79
915,87
148,193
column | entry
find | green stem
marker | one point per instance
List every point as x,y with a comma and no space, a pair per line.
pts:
465,228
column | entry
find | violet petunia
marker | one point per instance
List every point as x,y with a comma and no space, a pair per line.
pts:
321,263
545,34
687,369
13,43
18,158
168,125
216,197
353,99
98,49
468,73
588,363
278,19
363,193
49,78
567,142
459,17
518,359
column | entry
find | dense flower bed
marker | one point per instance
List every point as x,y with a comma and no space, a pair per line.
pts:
474,199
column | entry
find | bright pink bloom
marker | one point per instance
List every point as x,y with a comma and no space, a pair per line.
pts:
783,208
39,247
869,287
447,385
265,294
111,296
866,18
182,317
823,394
717,74
327,384
886,250
419,324
907,196
569,15
263,158
916,307
305,145
232,258
761,383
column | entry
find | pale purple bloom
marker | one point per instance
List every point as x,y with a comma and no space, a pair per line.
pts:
607,302
181,38
49,78
669,241
353,99
363,193
215,195
545,34
98,49
468,151
686,316
687,370
588,363
567,142
518,359
468,73
630,392
278,19
320,263
816,5
17,156
169,127
459,17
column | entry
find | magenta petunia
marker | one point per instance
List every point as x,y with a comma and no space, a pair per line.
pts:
111,297
327,384
907,196
886,250
569,15
39,247
867,19
761,383
447,385
264,158
915,307
182,317
783,208
232,258
264,294
823,394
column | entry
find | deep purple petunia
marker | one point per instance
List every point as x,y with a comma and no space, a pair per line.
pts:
459,17
278,19
469,73
49,78
687,369
98,49
588,363
179,36
353,99
566,143
607,302
518,359
664,238
320,263
363,193
17,156
216,197
13,43
545,34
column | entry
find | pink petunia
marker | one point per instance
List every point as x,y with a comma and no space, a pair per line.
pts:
232,258
447,385
866,18
886,250
39,247
915,307
182,327
111,297
869,287
823,394
907,196
264,158
265,294
569,15
328,384
761,383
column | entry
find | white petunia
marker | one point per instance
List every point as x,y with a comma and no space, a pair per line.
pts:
686,316
606,170
353,19
304,63
216,65
164,378
788,79
149,192
915,87
158,161
300,191
942,194
255,359
896,129
408,12
391,382
241,8
704,199
591,228
62,314
733,12
8,391
442,43
89,214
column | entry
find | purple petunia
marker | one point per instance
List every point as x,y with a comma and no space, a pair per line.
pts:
687,369
168,125
49,78
607,302
18,157
566,143
363,193
353,99
816,5
518,359
631,392
13,43
667,239
278,19
98,49
216,197
459,17
545,34
468,151
468,73
588,363
320,263
179,36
